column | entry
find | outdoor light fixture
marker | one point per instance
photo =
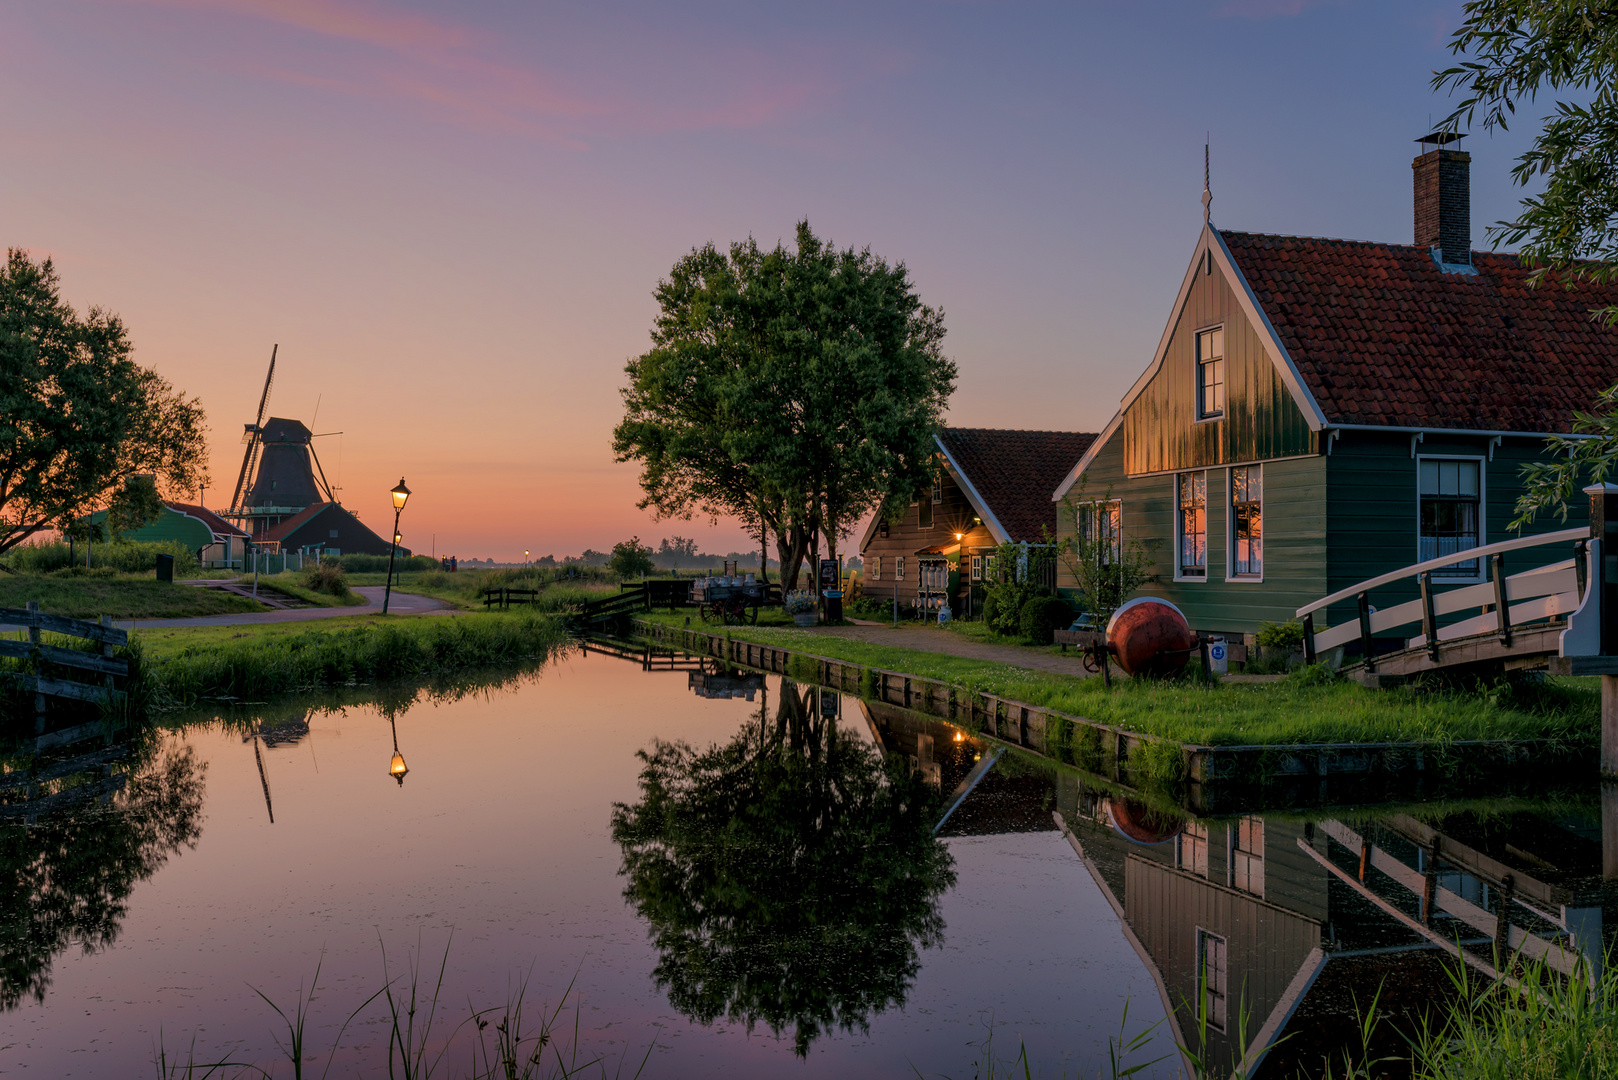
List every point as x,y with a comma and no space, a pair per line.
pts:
958,537
397,768
960,737
401,495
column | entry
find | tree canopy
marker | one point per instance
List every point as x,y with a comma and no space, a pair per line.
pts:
790,876
796,390
78,416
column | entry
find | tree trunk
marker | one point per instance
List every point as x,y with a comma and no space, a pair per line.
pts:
789,546
763,554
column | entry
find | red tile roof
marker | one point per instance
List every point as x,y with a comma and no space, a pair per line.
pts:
1380,335
219,525
1015,472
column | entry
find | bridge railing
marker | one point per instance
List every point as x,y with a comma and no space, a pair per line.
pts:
1503,601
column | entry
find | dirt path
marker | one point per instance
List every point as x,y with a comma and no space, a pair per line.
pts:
932,639
401,603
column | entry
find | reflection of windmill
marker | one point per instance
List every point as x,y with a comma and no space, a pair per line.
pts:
281,475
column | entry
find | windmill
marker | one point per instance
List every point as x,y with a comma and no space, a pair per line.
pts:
253,438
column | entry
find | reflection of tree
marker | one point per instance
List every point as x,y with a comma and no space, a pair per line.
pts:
788,876
66,878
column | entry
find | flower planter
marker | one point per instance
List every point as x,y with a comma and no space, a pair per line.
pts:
806,618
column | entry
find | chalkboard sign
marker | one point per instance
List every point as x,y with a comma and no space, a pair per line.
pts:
828,573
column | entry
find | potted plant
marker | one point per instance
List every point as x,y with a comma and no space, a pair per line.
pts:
802,607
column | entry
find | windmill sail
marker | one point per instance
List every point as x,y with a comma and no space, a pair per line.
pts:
253,436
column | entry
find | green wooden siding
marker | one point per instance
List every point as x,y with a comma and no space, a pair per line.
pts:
1373,510
170,526
1161,430
1294,539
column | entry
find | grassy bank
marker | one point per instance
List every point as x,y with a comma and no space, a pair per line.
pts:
295,583
1300,709
123,597
182,666
464,588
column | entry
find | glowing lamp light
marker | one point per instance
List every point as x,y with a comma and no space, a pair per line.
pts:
398,769
958,536
401,495
960,736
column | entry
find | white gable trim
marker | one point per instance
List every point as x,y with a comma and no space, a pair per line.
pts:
1209,240
979,504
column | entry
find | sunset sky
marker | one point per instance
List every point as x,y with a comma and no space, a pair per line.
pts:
451,216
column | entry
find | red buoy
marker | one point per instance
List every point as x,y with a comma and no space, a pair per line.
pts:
1149,636
1140,824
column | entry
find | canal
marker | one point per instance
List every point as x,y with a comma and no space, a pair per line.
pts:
724,872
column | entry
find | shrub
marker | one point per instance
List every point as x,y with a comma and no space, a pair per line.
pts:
378,564
326,577
118,556
1042,616
1006,601
798,603
1287,635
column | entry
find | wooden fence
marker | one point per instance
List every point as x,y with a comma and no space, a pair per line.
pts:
71,674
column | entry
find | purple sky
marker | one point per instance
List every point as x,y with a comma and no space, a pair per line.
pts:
451,216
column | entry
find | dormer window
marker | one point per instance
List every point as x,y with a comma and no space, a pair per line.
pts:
1211,373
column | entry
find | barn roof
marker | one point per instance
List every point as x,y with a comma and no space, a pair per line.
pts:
1010,474
1380,334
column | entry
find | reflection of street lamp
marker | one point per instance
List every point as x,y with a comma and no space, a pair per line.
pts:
397,768
400,495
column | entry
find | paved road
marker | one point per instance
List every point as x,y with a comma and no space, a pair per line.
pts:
401,603
933,639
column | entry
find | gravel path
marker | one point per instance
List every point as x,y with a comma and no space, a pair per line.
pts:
933,639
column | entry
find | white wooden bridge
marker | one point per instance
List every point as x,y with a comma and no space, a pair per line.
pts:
1508,621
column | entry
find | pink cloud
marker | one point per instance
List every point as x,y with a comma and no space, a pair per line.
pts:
456,74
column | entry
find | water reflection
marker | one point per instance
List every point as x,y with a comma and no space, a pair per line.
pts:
789,876
80,826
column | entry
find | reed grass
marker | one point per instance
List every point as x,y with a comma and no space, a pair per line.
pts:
233,663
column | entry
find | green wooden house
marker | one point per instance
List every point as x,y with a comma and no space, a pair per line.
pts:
1322,411
215,541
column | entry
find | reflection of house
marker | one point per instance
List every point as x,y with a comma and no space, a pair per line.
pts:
1275,929
1319,412
993,488
724,685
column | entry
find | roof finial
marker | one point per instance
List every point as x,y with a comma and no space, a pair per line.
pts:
1207,195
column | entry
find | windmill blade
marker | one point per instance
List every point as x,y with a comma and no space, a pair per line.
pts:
253,434
324,486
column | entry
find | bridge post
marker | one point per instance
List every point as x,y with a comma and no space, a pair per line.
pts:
1366,642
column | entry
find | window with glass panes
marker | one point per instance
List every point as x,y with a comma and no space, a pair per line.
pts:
1451,508
1192,490
1191,849
1211,976
1102,523
1211,373
1247,856
898,567
876,568
1247,521
977,568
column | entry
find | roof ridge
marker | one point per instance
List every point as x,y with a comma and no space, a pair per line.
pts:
1418,248
1020,431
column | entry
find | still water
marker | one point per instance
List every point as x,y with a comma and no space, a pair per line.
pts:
740,873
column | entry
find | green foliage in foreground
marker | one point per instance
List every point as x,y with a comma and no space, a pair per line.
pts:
181,672
1305,708
121,597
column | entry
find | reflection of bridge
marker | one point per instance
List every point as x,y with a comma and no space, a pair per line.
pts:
1292,922
1507,621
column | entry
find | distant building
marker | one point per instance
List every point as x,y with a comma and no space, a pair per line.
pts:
215,541
325,528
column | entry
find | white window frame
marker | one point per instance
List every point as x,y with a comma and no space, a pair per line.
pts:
938,490
1205,415
1230,525
1114,510
898,568
977,568
1247,863
1179,536
1482,460
876,568
1215,989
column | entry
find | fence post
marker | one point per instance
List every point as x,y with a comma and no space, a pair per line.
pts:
1429,617
1502,613
1366,643
39,693
1309,638
1581,567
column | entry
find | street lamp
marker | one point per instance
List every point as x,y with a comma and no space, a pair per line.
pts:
525,558
397,768
401,495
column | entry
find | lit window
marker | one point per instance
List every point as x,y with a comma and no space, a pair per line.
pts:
898,568
1211,373
977,568
1451,505
1211,977
1247,521
876,568
1103,524
1247,857
1192,489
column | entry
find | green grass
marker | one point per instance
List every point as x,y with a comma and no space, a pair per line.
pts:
181,666
464,589
122,597
292,584
1291,711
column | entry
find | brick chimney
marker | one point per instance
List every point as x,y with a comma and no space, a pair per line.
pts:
1444,199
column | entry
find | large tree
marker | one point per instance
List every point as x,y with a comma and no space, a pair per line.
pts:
797,390
1513,51
78,416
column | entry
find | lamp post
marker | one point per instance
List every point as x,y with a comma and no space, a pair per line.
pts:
401,495
525,558
397,768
